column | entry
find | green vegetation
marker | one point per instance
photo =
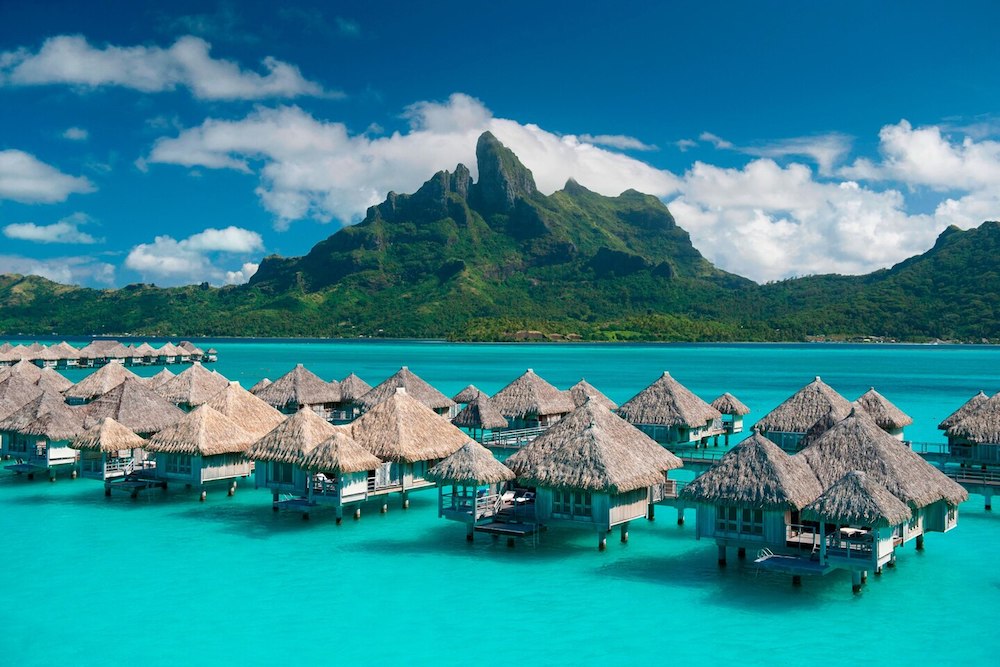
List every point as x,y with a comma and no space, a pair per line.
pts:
488,260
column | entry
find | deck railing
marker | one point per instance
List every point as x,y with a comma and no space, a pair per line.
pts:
512,438
970,476
929,447
709,455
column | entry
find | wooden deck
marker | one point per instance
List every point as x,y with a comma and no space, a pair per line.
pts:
133,484
795,565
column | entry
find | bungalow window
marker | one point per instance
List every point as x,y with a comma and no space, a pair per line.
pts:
19,443
736,520
179,464
281,472
572,503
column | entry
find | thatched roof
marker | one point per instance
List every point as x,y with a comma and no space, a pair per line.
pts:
756,474
145,350
480,413
340,453
667,402
593,449
15,393
65,350
857,443
402,428
467,394
190,348
529,394
202,432
811,404
583,390
858,500
254,415
967,408
46,415
728,404
50,380
298,387
5,347
195,385
168,349
472,464
107,436
134,405
292,439
415,387
353,388
155,381
263,382
879,408
23,369
101,381
981,424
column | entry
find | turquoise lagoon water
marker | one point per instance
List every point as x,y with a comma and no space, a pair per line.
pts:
166,580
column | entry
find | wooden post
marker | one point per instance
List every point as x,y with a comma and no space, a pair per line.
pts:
406,501
892,559
274,502
864,576
602,540
741,553
989,501
469,530
357,513
203,495
722,555
107,490
920,542
651,512
340,514
385,508
796,580
625,533
855,581
680,516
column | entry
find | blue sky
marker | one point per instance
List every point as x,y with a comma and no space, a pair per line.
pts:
181,142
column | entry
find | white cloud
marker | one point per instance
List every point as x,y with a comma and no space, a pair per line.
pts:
715,140
312,168
25,178
67,270
196,258
619,141
76,134
71,60
241,276
685,144
826,150
66,230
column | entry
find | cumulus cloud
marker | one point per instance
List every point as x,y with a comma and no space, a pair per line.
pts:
71,60
74,270
309,168
826,150
619,141
66,230
76,134
715,140
25,178
196,258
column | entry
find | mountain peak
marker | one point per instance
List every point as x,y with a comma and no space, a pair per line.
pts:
502,178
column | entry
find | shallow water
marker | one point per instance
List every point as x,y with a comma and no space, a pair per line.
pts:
166,580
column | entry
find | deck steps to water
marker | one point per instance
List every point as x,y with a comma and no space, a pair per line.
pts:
133,485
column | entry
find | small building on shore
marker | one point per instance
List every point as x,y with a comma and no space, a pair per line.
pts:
672,415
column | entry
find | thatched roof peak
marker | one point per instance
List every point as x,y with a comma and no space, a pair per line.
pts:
469,393
969,406
155,381
46,415
134,405
480,413
583,390
979,424
252,414
666,402
195,385
472,464
885,414
415,387
340,453
858,500
529,394
816,403
402,428
297,387
202,432
593,449
352,388
99,382
758,474
728,404
263,382
292,439
15,393
857,443
108,436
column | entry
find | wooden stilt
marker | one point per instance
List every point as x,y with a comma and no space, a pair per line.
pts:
741,553
796,580
864,576
722,556
470,530
385,508
602,541
357,513
680,516
107,490
204,494
340,514
855,581
625,533
920,542
651,512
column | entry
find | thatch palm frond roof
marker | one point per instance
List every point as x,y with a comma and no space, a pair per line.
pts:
666,402
885,414
593,449
299,386
66,351
263,382
340,453
195,385
191,348
981,424
403,429
252,414
46,415
292,439
857,443
966,408
529,394
728,404
50,380
202,432
353,388
144,350
756,474
107,436
414,386
472,464
15,393
480,413
583,390
803,409
99,382
467,394
135,406
858,500
155,381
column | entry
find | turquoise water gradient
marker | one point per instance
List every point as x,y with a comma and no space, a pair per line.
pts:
166,580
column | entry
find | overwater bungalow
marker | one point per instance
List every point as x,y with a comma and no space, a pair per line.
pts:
144,355
15,393
46,358
192,387
155,381
99,382
132,404
593,470
46,378
107,450
415,388
337,471
583,390
409,437
671,414
974,445
751,498
67,355
889,418
529,403
352,388
469,485
480,419
463,397
733,411
37,436
190,351
252,414
203,446
167,354
263,382
301,387
963,411
804,416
